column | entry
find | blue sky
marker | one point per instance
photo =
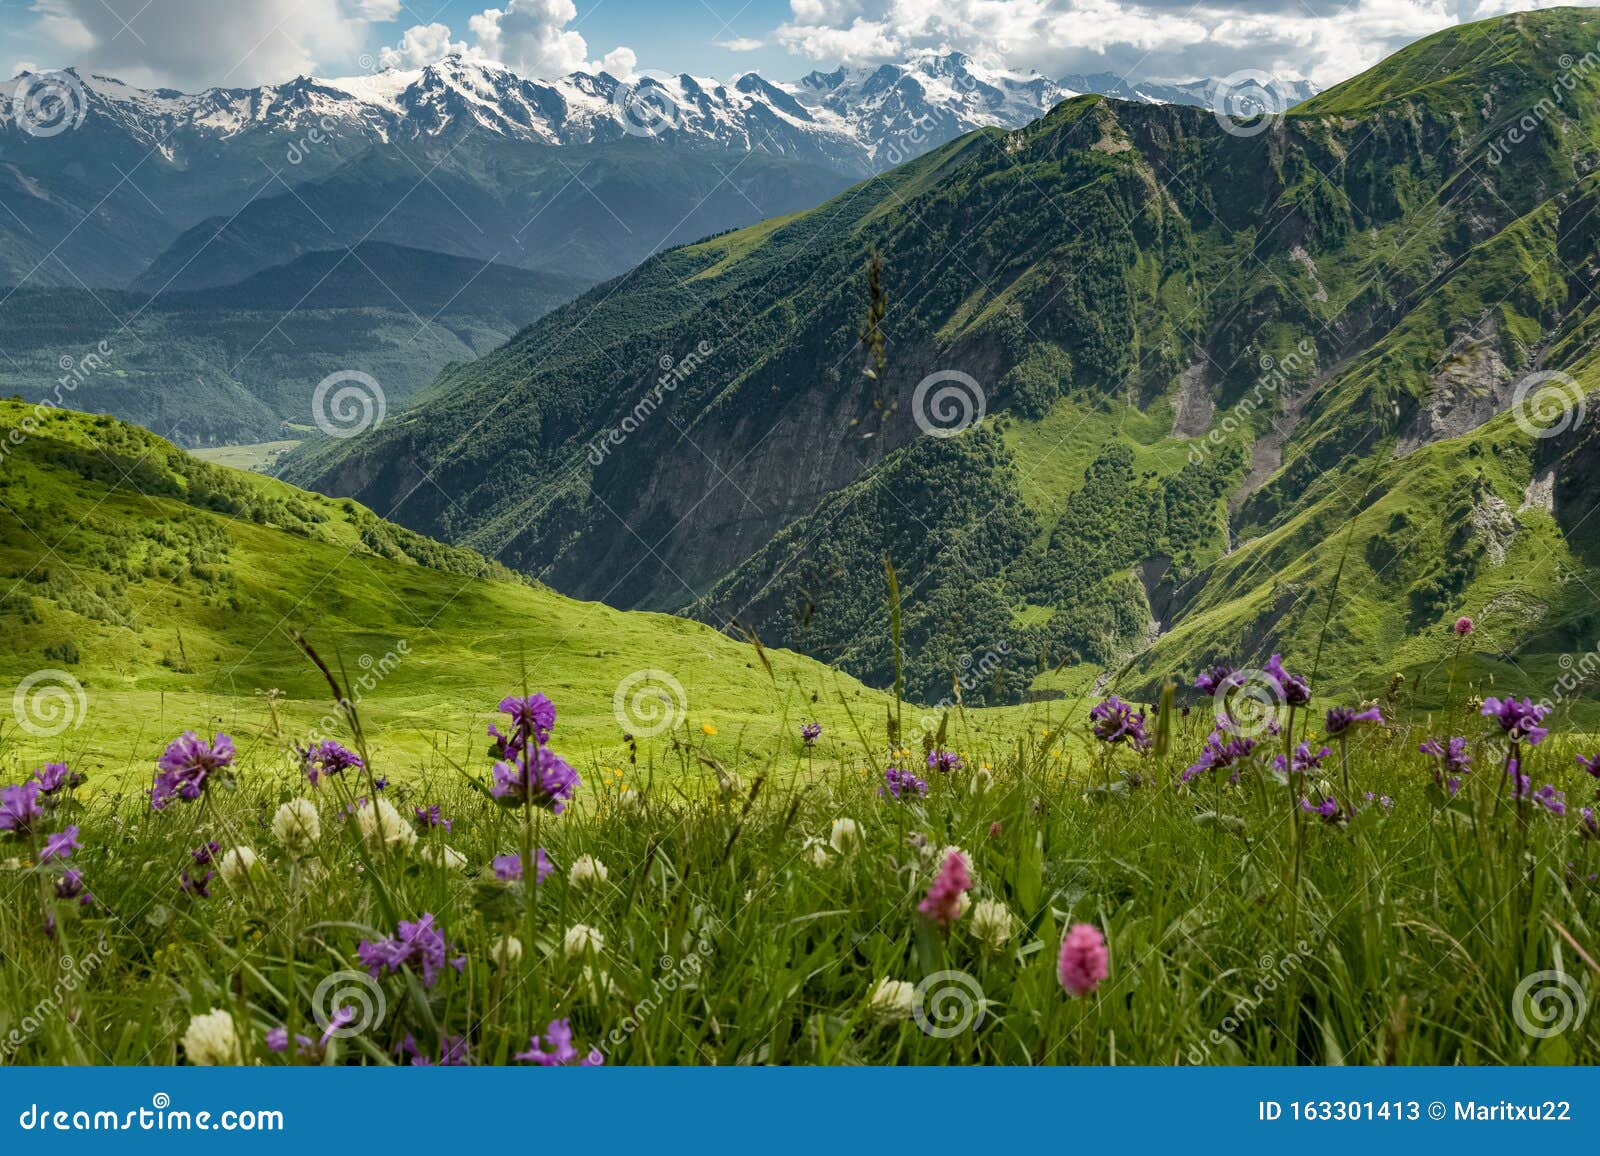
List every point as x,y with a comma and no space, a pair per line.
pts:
191,44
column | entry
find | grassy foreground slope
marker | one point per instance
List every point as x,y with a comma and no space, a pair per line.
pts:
168,588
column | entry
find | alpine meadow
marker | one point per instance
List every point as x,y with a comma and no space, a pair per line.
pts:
937,562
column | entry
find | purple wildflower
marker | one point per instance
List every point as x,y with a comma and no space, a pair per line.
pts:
558,1038
1219,753
1591,826
534,714
381,783
1453,760
19,807
1551,799
897,784
1217,678
60,845
430,817
542,779
1303,762
1592,766
70,886
204,855
328,758
1328,810
1342,718
418,943
53,777
944,761
509,867
1116,721
278,1041
453,1052
1519,719
1383,801
198,886
810,732
1296,690
187,765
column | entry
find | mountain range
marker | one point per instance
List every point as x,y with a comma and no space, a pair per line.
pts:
1130,386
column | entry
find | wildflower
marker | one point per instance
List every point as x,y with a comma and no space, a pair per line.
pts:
60,845
328,758
453,1052
1464,626
996,830
432,817
892,999
238,864
898,784
509,867
539,779
53,777
1296,691
814,851
211,1040
1303,762
1453,762
381,783
506,951
1383,801
1551,799
581,939
186,766
1084,962
1519,719
381,826
1328,810
1219,677
532,714
708,728
198,887
418,943
1219,753
1591,826
982,780
943,761
278,1041
70,886
1116,721
19,807
587,871
443,857
943,903
991,923
558,1037
203,855
1592,766
297,826
810,732
1341,718
845,836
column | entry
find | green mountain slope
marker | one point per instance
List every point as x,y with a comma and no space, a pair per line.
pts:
238,363
1199,350
167,588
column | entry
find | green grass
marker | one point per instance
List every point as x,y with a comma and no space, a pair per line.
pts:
259,456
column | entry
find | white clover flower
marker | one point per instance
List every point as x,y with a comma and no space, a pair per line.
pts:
297,826
587,871
238,864
211,1041
442,855
506,951
845,836
991,923
581,938
892,999
814,851
982,780
381,826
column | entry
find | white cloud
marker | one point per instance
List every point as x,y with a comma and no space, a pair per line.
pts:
421,45
620,63
190,43
378,10
740,44
1325,40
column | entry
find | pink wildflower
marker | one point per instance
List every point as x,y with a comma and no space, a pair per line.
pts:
1464,626
943,904
1084,962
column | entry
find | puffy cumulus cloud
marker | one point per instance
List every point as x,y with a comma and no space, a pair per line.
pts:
192,43
1323,40
421,45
